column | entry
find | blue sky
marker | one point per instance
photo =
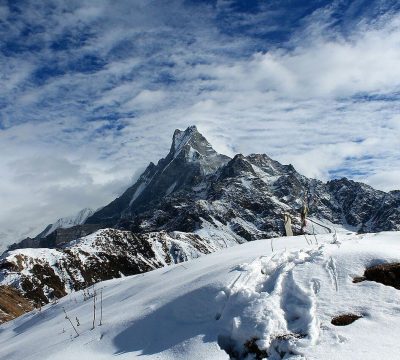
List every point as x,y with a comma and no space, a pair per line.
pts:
91,91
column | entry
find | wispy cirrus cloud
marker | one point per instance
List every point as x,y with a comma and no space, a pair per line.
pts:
91,92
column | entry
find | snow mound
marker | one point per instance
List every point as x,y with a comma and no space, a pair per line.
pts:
272,298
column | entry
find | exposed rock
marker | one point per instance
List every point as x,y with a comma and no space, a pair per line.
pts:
345,319
253,349
386,274
12,303
358,279
43,275
57,237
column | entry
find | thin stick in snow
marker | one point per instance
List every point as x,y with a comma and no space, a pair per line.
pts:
101,307
335,239
313,230
272,246
94,308
67,317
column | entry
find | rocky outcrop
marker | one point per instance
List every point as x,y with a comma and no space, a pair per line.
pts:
57,237
12,303
386,274
42,275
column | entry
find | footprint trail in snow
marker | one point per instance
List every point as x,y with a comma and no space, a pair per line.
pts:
266,304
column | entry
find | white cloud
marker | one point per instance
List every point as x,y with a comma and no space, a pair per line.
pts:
321,68
384,179
146,99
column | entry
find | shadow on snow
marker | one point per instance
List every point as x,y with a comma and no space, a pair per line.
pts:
181,319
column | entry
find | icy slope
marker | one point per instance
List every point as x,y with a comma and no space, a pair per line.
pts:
246,299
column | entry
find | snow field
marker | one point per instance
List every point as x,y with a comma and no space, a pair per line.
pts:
283,300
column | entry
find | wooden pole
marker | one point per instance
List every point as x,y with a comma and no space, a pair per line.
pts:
101,307
67,317
313,230
94,308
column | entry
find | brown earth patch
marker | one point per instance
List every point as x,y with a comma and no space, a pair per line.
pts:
12,304
386,274
358,279
252,348
345,319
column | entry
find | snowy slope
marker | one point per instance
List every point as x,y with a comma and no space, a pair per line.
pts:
285,298
69,221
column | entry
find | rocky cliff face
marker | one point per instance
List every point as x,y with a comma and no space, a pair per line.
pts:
13,303
57,237
44,274
192,202
191,160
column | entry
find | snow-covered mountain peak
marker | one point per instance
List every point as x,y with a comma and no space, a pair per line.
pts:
181,138
269,165
237,166
191,145
68,221
190,160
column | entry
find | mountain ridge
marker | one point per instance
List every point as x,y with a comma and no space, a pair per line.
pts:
193,172
192,202
332,201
